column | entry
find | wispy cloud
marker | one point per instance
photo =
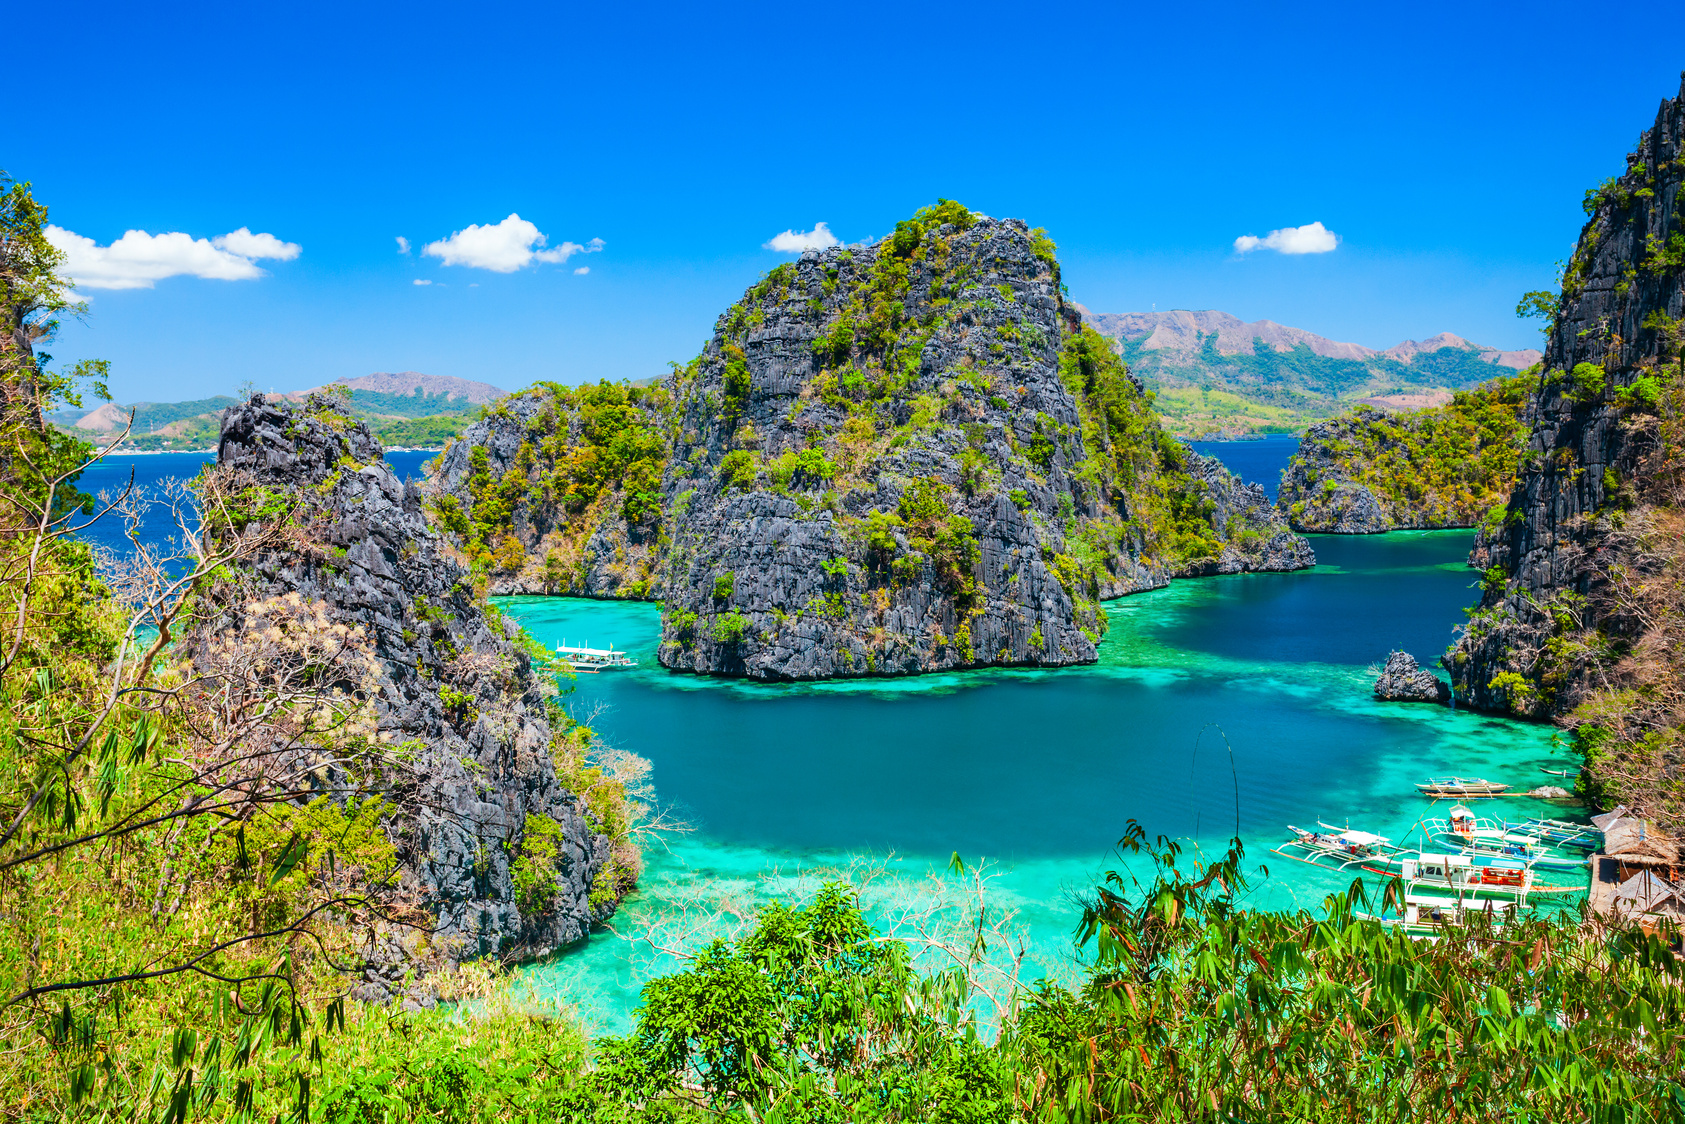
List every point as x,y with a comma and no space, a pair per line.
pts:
796,241
504,247
420,281
1312,238
403,244
582,271
139,260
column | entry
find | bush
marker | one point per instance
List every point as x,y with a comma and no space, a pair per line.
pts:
737,469
1643,393
1588,380
731,628
724,585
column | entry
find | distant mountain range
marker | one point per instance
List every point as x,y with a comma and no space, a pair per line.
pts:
430,386
1183,333
391,401
1218,374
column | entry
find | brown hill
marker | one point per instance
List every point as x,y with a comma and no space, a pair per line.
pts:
407,382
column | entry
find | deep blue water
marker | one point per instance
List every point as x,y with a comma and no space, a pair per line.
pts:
1256,462
152,470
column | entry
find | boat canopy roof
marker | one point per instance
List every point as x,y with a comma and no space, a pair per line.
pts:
1362,837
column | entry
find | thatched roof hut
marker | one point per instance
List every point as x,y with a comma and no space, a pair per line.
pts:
1636,843
1647,893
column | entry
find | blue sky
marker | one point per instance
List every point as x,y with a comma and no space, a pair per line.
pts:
1446,146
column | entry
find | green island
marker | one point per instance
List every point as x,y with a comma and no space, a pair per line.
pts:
1444,466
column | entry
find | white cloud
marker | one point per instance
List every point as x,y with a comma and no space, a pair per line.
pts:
582,271
403,244
139,260
245,244
1312,238
504,247
795,241
419,281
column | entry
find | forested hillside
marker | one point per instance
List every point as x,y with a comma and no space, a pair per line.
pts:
1214,374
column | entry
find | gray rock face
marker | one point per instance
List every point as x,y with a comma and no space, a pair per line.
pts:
1257,539
1561,535
793,579
1402,680
1318,496
480,767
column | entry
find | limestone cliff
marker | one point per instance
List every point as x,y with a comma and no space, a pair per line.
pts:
454,689
911,456
1372,470
558,490
1582,570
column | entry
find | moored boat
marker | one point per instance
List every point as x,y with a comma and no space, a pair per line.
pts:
1343,847
1561,833
1463,787
594,659
1474,836
1505,879
1426,915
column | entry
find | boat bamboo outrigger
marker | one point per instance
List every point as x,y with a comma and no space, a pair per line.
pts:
594,659
1344,847
1494,838
1464,787
1561,833
1424,915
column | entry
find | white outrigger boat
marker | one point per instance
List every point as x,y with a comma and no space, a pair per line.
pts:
594,659
1502,879
1463,787
1343,846
1425,915
1494,839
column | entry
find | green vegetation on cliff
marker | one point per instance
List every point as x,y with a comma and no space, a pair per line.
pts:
1444,466
554,467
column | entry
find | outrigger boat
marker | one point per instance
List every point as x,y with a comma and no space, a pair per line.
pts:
1464,787
593,660
1424,915
1561,833
1501,879
1343,845
1489,837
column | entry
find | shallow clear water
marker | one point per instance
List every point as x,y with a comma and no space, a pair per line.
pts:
1041,770
1257,462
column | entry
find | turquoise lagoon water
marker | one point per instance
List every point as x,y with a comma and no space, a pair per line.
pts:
1039,771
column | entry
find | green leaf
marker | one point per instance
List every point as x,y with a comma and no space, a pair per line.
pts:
291,855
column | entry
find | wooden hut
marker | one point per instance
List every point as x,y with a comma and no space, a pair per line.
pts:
1637,874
